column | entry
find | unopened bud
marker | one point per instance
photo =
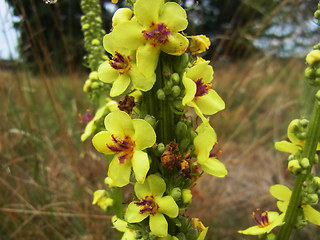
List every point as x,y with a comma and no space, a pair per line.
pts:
181,130
175,78
93,75
309,72
160,149
151,120
186,196
305,163
161,95
176,90
95,42
176,193
294,166
316,181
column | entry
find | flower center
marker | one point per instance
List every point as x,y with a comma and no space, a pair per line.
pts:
148,205
261,218
157,35
125,147
120,62
202,88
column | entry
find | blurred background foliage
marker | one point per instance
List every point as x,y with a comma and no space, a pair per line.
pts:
47,176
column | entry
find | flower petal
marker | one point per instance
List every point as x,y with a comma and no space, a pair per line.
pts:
190,89
120,123
120,85
142,190
140,165
167,206
147,59
119,172
285,146
198,112
203,234
174,16
214,167
210,103
128,34
204,141
140,82
100,141
119,224
144,136
201,70
255,230
280,192
157,185
133,214
282,205
106,73
147,12
311,214
158,225
177,44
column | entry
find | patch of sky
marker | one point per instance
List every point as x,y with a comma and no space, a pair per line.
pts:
8,35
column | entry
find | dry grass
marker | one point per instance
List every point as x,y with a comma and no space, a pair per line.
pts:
48,177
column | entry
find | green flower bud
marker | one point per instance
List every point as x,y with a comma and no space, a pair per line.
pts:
175,78
309,73
95,85
304,122
151,120
193,134
316,181
294,166
305,163
176,193
317,14
311,198
85,26
87,86
176,90
318,95
160,149
181,130
178,105
95,42
184,144
161,95
93,75
186,196
313,57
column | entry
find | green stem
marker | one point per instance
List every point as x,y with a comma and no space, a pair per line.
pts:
309,150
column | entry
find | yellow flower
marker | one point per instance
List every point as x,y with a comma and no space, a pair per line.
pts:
121,69
152,204
295,143
114,1
198,92
199,44
283,194
101,198
126,138
266,222
204,144
122,226
202,230
155,27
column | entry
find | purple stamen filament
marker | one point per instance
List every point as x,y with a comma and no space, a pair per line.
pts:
120,62
261,218
158,35
148,205
202,88
122,146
